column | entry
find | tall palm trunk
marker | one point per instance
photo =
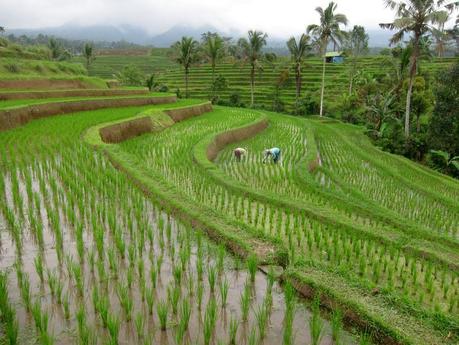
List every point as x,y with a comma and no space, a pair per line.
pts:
351,77
213,71
323,87
413,68
186,81
298,85
252,85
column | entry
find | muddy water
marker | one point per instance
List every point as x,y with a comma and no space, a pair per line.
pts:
65,331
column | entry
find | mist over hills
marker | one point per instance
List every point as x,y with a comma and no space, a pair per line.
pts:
138,35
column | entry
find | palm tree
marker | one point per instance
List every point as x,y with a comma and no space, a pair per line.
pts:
415,17
213,48
298,50
251,52
88,53
185,52
440,34
2,29
356,45
328,30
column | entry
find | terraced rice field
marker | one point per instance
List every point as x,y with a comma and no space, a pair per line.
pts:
237,76
96,255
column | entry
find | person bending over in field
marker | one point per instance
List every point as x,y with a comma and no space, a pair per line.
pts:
239,153
274,153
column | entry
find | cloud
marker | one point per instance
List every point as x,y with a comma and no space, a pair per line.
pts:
280,18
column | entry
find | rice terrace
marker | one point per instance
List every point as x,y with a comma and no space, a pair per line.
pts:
229,186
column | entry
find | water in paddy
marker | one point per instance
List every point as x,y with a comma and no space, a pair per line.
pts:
148,259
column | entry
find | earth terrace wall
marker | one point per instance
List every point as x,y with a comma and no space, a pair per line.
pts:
15,117
180,114
45,84
69,93
125,130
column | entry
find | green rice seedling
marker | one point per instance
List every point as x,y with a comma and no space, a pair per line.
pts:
224,287
364,339
139,325
337,325
159,264
262,315
113,326
141,267
252,265
185,314
233,327
245,302
25,291
78,277
129,276
59,288
271,278
125,300
112,261
199,267
253,339
177,272
220,258
173,294
91,259
287,336
199,294
211,278
210,318
132,255
38,263
153,276
162,309
66,306
103,307
149,296
52,282
316,323
190,285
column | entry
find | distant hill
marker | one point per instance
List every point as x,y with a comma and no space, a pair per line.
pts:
134,34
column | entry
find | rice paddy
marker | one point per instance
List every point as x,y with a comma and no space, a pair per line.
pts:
129,243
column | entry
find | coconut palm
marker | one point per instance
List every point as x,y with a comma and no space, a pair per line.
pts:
329,30
417,18
440,34
186,53
55,48
88,53
251,52
214,49
2,29
298,50
356,45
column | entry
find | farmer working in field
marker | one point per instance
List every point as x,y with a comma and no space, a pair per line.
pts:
274,153
239,153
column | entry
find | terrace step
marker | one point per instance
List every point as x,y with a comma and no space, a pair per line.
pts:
9,95
40,84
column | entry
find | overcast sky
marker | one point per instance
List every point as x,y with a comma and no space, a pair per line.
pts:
280,18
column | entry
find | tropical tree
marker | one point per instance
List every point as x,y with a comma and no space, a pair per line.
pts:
298,50
356,45
2,29
55,48
88,53
213,46
186,54
415,17
440,34
329,30
251,53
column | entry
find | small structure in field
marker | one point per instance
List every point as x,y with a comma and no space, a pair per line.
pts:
334,57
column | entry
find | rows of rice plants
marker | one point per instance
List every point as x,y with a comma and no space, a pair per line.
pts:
372,178
426,287
87,259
